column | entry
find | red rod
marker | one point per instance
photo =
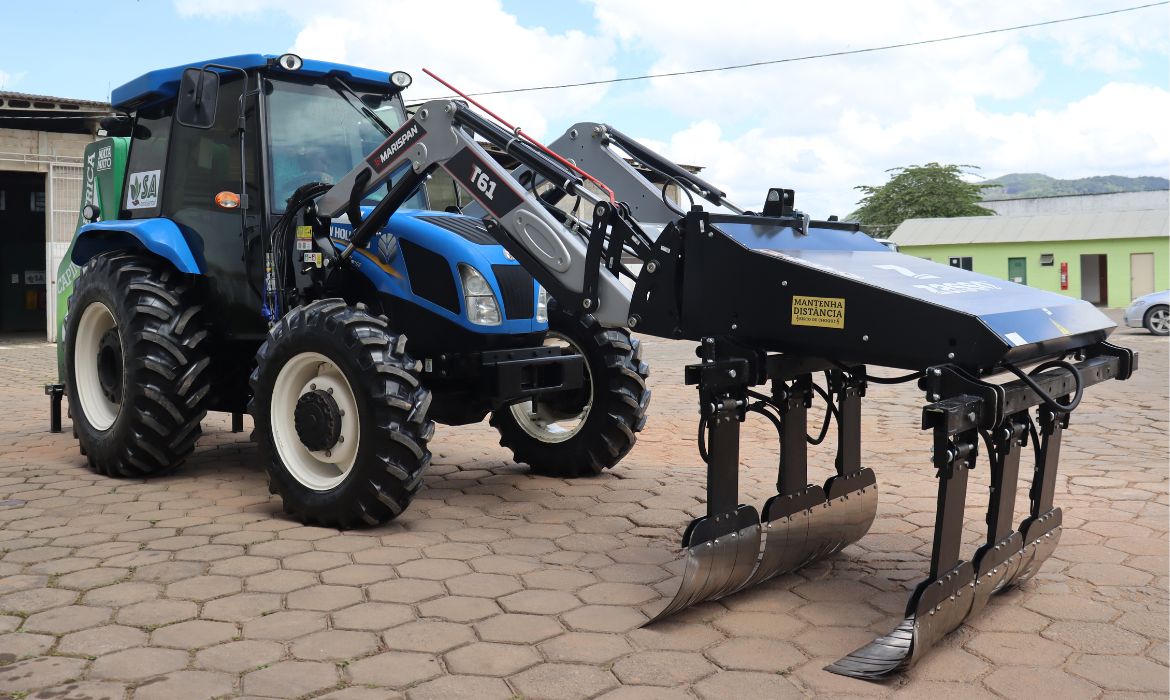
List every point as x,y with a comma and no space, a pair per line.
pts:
516,130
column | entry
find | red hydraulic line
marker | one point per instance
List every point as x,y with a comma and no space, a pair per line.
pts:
518,132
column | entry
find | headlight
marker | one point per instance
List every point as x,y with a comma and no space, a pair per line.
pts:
541,304
482,308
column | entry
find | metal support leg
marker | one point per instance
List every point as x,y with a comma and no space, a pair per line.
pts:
848,388
793,402
54,392
237,422
1041,529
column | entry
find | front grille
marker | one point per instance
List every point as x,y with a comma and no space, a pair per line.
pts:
430,276
516,286
468,228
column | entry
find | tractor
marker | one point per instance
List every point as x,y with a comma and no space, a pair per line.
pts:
192,286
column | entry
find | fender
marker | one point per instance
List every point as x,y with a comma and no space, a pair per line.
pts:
158,235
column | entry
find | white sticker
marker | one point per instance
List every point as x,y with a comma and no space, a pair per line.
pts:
1015,339
304,245
142,190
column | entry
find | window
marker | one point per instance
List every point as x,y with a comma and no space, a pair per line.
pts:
961,262
1047,259
317,135
148,156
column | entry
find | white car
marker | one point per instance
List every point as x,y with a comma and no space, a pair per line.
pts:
1151,312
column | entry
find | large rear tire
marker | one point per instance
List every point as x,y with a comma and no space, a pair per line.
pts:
340,415
136,365
583,433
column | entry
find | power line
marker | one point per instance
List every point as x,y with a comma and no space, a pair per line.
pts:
849,52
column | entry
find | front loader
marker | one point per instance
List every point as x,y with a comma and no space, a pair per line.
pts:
776,298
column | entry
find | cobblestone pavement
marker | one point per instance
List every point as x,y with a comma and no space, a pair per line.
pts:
498,583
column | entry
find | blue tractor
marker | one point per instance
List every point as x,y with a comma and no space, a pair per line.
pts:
194,284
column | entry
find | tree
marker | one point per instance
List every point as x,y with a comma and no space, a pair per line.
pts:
919,191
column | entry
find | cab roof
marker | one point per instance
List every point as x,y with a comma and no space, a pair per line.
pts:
163,84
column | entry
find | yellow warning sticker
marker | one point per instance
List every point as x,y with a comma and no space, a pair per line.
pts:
822,312
304,233
1062,329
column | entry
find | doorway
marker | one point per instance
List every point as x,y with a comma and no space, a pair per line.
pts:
1018,270
1141,274
22,252
1095,279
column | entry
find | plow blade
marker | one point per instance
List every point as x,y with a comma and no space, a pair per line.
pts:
797,530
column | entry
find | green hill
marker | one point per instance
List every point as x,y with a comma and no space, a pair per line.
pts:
1021,185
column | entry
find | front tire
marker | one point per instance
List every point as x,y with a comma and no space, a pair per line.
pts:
1157,320
136,365
575,434
340,415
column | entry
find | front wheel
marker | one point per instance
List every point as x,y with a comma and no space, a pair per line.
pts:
582,433
1157,320
340,415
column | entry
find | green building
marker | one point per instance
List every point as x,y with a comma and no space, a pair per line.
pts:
1107,257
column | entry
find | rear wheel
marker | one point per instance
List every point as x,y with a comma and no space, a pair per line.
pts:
1157,320
136,365
340,415
582,433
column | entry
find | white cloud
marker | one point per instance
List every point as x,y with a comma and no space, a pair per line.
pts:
822,126
9,81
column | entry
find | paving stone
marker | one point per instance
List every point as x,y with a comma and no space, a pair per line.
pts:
203,588
21,645
1123,673
459,608
187,685
237,657
1018,648
357,574
427,635
241,607
40,672
138,664
155,613
324,598
83,690
1095,637
746,684
394,669
35,600
69,618
433,569
372,616
284,625
586,647
92,578
540,602
646,692
747,654
1029,683
336,645
666,668
405,591
462,688
483,585
517,628
290,679
604,618
193,634
122,594
562,681
491,659
96,641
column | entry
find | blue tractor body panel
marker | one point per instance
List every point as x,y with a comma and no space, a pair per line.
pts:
393,275
163,84
160,236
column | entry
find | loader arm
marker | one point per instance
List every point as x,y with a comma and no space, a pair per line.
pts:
779,300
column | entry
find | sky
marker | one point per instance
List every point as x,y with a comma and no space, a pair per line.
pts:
1075,99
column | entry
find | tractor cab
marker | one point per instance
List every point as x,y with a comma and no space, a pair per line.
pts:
217,148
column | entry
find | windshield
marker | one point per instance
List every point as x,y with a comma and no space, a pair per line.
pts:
317,134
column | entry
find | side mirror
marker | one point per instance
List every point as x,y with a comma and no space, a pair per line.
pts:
198,95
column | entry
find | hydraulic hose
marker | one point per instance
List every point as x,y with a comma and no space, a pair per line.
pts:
1045,397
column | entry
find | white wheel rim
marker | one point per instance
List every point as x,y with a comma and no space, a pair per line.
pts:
99,411
541,422
319,470
1160,320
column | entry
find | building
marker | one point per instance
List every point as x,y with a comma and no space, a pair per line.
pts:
41,143
1106,249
